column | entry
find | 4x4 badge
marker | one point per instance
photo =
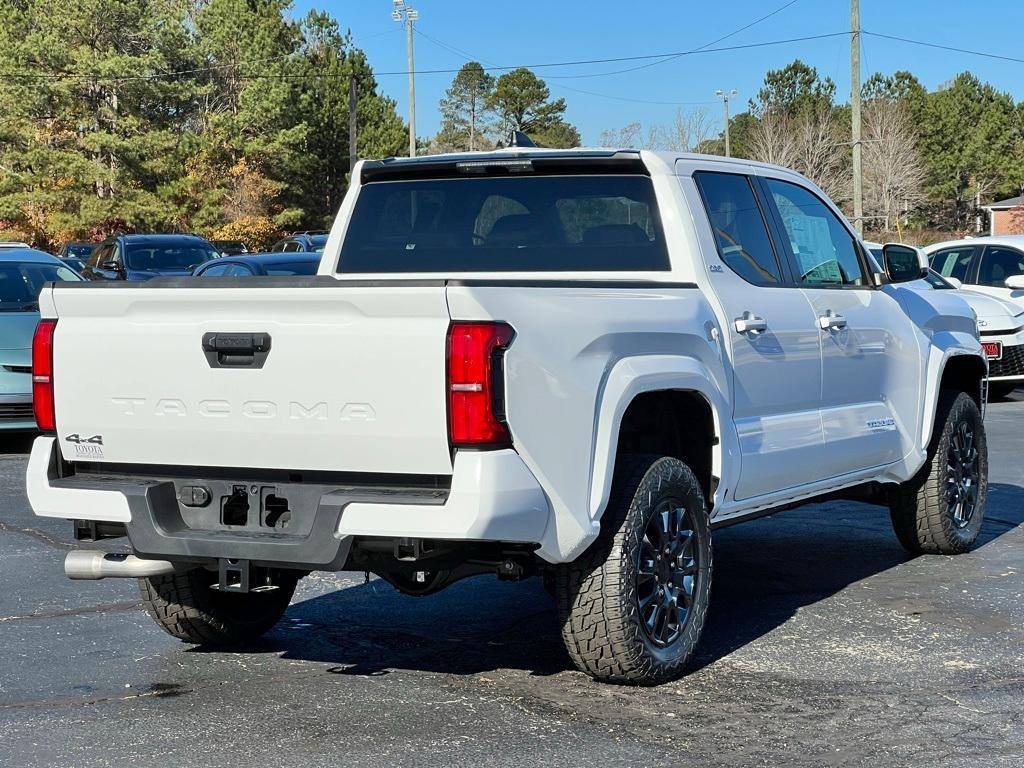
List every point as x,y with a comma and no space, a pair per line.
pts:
77,439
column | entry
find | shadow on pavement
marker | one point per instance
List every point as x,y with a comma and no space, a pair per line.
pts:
764,572
16,442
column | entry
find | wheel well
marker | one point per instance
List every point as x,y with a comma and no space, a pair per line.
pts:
963,373
671,423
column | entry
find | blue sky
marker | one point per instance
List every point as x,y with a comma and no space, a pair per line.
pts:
532,32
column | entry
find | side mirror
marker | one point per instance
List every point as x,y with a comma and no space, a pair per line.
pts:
903,263
1015,282
110,265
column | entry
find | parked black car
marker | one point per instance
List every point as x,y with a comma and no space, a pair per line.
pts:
300,243
141,257
80,251
260,264
230,247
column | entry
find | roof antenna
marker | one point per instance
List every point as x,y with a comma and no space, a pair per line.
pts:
520,139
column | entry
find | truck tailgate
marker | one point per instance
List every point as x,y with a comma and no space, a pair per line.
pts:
351,377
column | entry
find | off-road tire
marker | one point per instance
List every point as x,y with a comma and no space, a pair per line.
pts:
1000,390
597,595
921,513
185,606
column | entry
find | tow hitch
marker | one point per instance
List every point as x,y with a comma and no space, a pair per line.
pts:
241,576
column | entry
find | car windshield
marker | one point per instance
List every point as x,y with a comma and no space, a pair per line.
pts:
20,283
506,224
294,268
157,257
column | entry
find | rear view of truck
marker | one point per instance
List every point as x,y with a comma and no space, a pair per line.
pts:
423,408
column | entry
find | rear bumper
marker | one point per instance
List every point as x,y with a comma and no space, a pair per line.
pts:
493,497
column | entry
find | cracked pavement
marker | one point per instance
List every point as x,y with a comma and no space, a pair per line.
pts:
826,646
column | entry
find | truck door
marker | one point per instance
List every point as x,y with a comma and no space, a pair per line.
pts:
871,362
772,336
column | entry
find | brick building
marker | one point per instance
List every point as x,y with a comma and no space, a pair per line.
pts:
1006,217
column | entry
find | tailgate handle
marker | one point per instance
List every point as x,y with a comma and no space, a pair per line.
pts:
236,350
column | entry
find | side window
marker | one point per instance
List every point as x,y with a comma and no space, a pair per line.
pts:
115,254
740,232
238,270
823,251
101,254
952,262
278,246
998,263
215,271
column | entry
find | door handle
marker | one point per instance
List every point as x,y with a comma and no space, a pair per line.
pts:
831,321
236,350
750,324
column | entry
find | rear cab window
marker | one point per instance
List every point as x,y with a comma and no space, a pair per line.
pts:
506,223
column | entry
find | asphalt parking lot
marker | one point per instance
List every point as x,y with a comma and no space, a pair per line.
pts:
826,646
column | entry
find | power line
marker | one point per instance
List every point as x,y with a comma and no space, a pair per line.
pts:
405,72
673,57
470,57
569,63
987,55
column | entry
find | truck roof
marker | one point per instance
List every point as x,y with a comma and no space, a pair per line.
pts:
617,155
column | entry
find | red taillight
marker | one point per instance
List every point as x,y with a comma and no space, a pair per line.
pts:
42,375
474,351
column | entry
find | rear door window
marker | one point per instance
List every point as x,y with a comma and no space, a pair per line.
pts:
998,263
506,224
739,228
953,262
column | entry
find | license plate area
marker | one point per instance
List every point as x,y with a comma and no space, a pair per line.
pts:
286,509
993,349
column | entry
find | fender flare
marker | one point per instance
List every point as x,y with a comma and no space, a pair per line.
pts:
931,402
632,376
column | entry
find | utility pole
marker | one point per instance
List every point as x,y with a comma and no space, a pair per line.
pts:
404,13
858,178
725,116
353,156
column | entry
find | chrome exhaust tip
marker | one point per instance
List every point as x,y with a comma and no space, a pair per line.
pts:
92,565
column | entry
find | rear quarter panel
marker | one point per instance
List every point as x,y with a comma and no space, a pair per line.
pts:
579,356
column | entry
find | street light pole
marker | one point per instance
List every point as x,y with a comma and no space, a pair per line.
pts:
404,13
725,116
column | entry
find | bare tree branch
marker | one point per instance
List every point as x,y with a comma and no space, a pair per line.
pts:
894,175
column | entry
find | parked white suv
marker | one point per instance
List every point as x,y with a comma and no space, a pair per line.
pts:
572,363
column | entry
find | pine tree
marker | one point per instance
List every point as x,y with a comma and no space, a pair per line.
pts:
466,114
522,103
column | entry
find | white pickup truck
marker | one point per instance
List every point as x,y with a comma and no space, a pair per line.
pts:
575,364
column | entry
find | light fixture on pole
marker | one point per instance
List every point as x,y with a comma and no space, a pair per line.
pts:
725,115
405,14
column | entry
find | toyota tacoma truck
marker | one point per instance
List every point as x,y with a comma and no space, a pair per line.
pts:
571,364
